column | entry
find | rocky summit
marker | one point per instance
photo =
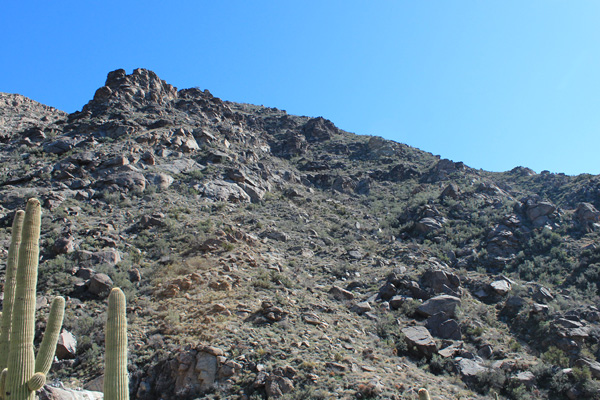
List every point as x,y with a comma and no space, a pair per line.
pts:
273,256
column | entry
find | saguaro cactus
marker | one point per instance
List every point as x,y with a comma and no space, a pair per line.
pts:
116,380
424,394
10,285
23,375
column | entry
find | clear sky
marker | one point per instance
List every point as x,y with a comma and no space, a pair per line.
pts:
495,84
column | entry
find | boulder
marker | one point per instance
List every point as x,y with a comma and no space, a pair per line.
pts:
440,281
426,225
500,287
277,386
90,259
161,180
319,129
66,348
587,215
443,303
470,369
219,190
380,147
64,245
387,291
340,293
99,285
52,393
275,235
451,191
419,340
525,378
443,327
397,301
362,307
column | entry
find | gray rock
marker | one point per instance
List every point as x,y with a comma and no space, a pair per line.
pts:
220,190
419,339
277,386
256,193
443,327
525,378
161,180
387,291
85,273
66,348
443,303
52,393
340,293
64,245
587,215
501,287
535,209
470,369
275,235
380,147
60,146
181,166
100,285
451,191
90,259
542,294
441,282
362,307
397,301
425,225
485,351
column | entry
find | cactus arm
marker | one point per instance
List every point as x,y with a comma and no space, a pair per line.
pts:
424,394
20,357
116,380
10,287
37,381
45,355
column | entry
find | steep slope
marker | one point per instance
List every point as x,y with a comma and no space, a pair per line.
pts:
267,255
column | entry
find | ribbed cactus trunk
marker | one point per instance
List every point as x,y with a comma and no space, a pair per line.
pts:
24,374
21,360
116,381
10,286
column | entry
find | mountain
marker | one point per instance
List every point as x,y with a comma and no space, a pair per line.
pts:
268,255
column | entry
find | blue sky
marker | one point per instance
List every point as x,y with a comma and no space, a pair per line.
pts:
495,84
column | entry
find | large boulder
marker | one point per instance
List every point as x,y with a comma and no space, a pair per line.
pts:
443,303
52,393
99,285
419,340
219,190
587,216
443,327
427,224
440,281
110,257
66,348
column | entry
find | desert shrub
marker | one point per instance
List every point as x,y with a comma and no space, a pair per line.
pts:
556,356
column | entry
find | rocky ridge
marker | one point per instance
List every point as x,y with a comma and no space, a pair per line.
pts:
267,255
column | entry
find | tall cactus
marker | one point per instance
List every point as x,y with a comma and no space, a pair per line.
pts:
10,285
424,394
23,375
116,380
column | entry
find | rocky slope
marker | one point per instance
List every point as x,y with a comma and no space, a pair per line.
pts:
267,255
